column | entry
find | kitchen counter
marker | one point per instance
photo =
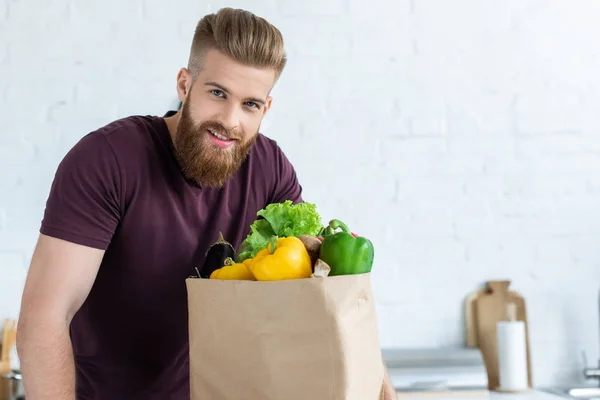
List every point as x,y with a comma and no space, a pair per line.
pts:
456,373
530,395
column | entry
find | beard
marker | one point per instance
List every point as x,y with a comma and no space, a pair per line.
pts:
202,161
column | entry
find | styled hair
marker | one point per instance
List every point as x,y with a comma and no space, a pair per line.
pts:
241,35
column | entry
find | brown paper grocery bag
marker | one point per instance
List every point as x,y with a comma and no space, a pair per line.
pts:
304,339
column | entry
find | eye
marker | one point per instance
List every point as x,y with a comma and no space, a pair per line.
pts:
251,104
217,92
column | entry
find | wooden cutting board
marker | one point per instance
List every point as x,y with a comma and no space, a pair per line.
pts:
4,383
483,310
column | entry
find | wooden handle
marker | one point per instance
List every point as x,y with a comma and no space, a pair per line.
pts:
9,336
511,312
499,287
5,333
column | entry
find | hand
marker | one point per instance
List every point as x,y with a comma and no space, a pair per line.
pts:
389,392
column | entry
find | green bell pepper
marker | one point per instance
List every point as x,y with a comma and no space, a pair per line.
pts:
344,252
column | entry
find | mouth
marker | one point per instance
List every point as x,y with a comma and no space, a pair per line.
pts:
220,139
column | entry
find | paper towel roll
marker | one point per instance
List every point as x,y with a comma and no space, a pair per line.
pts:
512,356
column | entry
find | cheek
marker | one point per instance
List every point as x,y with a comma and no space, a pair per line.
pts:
251,123
200,109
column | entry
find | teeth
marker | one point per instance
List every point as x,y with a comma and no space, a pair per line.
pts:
218,136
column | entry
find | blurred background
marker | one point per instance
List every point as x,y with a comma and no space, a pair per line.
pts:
462,137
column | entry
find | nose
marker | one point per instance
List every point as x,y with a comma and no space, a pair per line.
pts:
229,117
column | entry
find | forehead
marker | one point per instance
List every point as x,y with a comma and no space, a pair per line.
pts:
241,80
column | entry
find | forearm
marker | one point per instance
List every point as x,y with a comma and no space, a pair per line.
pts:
390,391
46,358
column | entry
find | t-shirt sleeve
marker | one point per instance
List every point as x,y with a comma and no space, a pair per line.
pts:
287,186
84,205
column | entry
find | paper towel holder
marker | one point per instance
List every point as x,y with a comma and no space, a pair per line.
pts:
484,308
511,316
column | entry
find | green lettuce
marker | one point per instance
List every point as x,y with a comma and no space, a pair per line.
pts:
283,220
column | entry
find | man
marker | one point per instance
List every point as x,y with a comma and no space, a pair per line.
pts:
132,210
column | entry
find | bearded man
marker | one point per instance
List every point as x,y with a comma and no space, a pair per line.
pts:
132,210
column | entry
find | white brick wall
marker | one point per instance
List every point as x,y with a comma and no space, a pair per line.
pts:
469,132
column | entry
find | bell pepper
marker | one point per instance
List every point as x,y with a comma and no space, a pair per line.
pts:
284,258
345,253
234,271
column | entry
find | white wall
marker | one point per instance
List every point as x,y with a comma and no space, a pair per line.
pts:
463,137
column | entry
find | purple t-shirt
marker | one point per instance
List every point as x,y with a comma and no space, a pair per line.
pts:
119,189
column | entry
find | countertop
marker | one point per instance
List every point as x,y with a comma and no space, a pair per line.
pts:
492,395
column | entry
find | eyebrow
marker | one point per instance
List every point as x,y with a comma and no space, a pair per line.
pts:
223,88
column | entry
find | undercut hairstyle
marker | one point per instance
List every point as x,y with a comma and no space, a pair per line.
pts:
241,35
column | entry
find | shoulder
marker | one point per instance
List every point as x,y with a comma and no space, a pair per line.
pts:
264,145
130,141
130,132
268,152
126,131
273,165
267,155
89,195
110,152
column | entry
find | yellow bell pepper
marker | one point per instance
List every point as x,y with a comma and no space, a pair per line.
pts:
284,258
234,271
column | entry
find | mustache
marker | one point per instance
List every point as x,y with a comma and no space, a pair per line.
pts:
219,128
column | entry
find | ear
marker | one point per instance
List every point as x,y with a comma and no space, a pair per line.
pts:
268,105
184,84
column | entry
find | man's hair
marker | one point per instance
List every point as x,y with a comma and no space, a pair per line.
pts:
241,35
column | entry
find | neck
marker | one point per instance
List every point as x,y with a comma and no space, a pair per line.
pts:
172,123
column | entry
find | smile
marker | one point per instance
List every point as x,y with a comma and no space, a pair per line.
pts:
222,141
219,136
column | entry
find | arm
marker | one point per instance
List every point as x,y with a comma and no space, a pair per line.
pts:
81,215
389,391
59,279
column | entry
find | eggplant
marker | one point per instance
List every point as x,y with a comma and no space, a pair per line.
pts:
216,255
